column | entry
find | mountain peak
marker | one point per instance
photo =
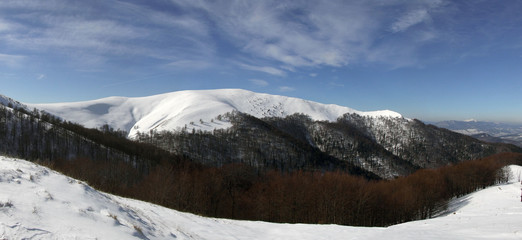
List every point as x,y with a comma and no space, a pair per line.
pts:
470,120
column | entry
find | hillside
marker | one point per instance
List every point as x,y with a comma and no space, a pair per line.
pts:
38,203
387,147
219,127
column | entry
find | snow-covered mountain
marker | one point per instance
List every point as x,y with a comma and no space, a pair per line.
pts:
263,131
38,203
198,109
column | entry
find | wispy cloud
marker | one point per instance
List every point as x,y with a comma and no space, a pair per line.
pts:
265,69
97,33
4,26
189,64
410,19
286,89
259,82
282,35
11,60
297,34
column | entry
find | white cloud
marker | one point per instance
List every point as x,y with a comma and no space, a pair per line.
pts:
189,64
296,34
11,60
96,33
410,19
282,35
93,35
72,36
259,82
4,26
265,69
398,57
286,89
313,74
302,34
40,76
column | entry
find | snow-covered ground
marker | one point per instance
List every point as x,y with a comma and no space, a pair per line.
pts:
197,109
38,203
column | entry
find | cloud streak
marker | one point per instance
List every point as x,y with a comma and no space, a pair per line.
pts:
265,69
286,89
273,37
189,64
11,60
259,82
98,33
334,33
410,19
295,34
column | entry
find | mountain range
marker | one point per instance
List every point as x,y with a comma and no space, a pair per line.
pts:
218,127
486,131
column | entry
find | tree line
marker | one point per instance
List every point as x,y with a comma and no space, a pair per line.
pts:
40,136
238,191
259,143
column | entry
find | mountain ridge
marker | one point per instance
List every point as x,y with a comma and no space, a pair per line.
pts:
193,109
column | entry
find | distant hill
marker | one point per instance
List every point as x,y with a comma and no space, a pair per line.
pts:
486,131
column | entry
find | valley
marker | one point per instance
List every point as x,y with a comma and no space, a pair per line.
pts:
271,167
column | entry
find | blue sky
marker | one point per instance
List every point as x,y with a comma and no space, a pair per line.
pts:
431,60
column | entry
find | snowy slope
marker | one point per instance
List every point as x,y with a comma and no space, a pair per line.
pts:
194,109
6,101
37,203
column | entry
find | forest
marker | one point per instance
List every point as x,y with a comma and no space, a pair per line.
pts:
238,191
108,161
385,147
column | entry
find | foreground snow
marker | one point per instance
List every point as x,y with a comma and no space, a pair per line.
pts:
192,109
38,203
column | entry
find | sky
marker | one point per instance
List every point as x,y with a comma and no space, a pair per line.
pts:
431,60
